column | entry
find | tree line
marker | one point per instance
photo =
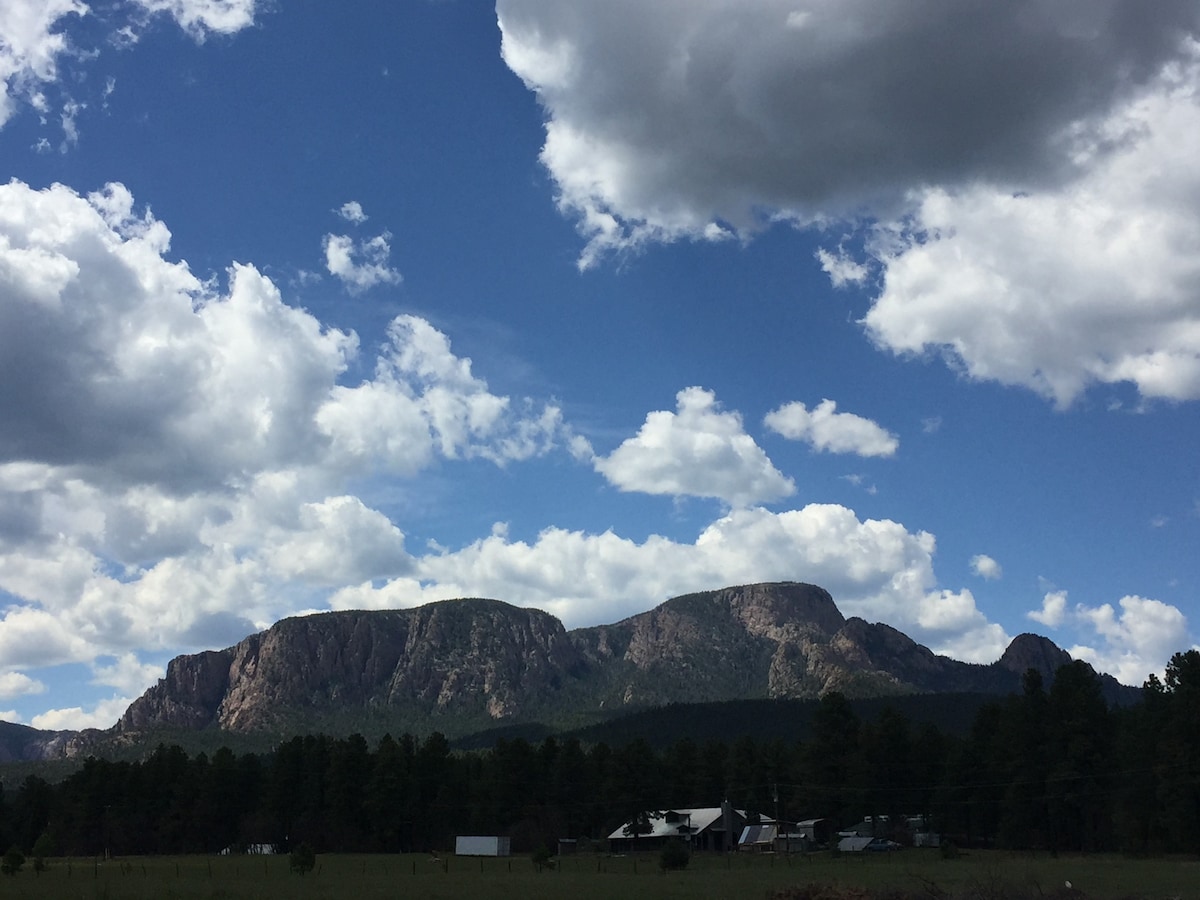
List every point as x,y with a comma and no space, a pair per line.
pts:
1054,769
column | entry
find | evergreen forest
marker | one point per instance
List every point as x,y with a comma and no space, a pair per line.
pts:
1052,769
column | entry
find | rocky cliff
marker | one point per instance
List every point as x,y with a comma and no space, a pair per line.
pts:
461,664
479,659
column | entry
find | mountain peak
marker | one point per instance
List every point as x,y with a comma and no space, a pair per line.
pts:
1032,651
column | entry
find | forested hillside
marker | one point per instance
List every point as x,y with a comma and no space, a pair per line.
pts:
1056,769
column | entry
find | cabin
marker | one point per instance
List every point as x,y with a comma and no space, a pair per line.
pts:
710,828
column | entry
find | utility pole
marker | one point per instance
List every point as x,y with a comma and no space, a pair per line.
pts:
778,834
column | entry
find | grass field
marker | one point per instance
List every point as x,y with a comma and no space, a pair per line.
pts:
979,875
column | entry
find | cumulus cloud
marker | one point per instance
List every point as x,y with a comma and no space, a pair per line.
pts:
697,451
1093,282
876,569
986,567
237,376
1025,174
823,428
18,684
76,718
424,400
127,674
176,456
1054,609
360,265
1131,644
665,119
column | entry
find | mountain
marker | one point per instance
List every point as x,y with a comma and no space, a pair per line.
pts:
468,665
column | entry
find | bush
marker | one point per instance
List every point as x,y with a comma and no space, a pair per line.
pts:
12,862
542,858
42,847
303,859
675,855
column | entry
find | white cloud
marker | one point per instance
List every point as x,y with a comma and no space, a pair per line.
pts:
425,400
663,119
697,451
200,17
1132,644
198,388
18,684
1136,642
175,470
1054,609
841,268
1030,169
335,542
1093,282
103,715
31,42
34,39
360,265
127,674
826,429
956,627
986,567
873,568
352,211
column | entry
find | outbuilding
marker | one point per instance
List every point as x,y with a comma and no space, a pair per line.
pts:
482,845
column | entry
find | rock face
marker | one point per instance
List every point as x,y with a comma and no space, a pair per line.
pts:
1032,651
479,657
474,662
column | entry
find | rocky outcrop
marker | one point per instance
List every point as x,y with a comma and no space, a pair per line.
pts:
477,661
1032,651
463,656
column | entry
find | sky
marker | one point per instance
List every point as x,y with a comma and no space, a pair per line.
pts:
585,304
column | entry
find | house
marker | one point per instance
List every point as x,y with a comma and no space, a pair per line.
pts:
708,828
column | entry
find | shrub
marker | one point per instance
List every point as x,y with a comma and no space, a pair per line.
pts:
12,861
42,847
542,858
675,855
303,859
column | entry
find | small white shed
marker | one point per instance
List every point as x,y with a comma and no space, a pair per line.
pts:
481,845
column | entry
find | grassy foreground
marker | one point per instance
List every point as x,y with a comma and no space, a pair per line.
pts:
979,876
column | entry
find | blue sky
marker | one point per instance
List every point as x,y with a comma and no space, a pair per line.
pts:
584,305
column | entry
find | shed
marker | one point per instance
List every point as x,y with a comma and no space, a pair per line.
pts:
759,838
481,845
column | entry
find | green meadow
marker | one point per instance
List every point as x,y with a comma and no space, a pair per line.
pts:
978,876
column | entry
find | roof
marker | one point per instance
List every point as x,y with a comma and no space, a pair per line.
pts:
672,822
853,844
758,834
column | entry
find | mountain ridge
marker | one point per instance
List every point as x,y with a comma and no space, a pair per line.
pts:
487,662
474,664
